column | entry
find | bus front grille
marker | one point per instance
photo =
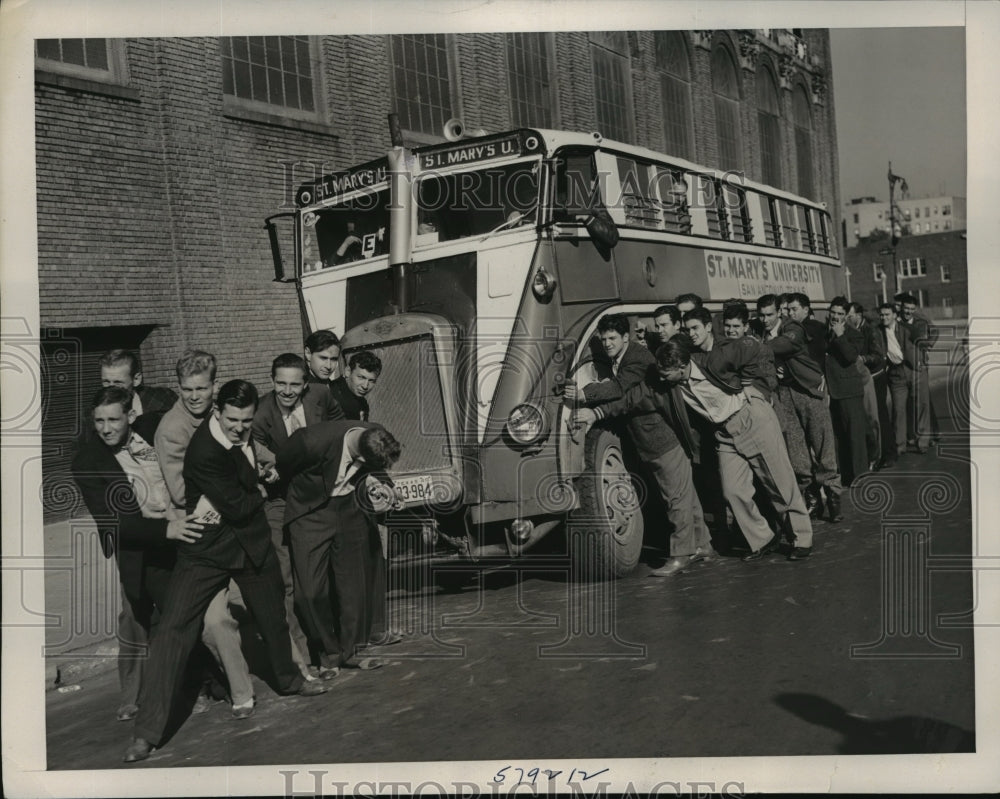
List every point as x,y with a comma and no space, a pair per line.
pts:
408,402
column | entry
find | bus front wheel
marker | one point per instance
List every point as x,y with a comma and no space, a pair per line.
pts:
604,534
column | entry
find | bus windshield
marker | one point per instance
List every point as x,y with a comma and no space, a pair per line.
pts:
457,205
355,229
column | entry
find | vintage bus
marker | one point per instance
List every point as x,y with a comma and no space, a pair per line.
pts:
467,267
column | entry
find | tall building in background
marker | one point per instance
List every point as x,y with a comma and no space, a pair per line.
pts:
868,219
158,160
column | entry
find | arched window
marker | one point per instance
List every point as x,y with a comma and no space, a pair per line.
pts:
675,92
726,89
802,116
769,125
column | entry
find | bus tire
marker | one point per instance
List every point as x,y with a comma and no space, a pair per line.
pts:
604,534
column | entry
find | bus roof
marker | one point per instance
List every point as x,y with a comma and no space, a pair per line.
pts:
509,144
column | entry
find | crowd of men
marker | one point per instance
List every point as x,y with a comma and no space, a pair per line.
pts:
757,423
213,498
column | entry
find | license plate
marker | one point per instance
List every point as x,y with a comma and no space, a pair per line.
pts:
413,489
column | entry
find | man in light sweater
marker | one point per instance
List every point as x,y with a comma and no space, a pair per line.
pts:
221,634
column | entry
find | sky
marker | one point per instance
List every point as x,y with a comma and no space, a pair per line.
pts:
900,96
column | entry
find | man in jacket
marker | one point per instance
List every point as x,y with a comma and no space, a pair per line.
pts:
875,386
221,480
118,462
331,468
290,406
921,420
801,406
900,356
846,386
664,440
726,388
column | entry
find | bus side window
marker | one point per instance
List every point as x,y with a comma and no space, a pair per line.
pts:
575,187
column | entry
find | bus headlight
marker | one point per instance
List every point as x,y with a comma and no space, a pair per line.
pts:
543,285
527,423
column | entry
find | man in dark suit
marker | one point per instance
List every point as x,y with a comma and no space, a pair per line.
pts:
900,356
921,418
352,389
846,386
290,406
801,402
875,385
122,368
330,468
221,483
119,479
622,366
665,441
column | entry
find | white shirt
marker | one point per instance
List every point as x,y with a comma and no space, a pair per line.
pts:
349,466
893,350
216,430
138,460
295,419
708,399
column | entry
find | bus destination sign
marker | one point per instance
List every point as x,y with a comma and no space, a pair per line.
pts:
749,277
338,184
473,151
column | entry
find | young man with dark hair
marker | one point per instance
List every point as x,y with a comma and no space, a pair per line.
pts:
667,321
292,404
687,302
622,366
698,324
331,467
736,321
872,370
123,489
801,407
724,387
921,418
900,355
322,356
352,389
666,443
846,386
196,370
221,480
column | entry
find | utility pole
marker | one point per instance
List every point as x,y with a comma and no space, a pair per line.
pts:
893,238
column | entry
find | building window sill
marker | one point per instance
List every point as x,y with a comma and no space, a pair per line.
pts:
92,86
232,108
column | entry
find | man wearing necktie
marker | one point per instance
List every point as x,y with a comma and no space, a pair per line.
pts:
331,530
900,359
221,483
292,404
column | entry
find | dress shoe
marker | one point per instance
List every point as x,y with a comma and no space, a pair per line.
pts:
768,548
833,508
705,553
138,750
202,704
312,688
886,463
328,672
386,638
241,712
672,566
127,712
800,553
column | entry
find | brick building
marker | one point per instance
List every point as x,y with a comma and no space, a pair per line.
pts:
158,160
932,267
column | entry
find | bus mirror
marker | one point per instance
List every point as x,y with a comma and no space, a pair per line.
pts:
282,246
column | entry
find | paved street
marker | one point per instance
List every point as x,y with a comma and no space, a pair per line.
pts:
726,659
